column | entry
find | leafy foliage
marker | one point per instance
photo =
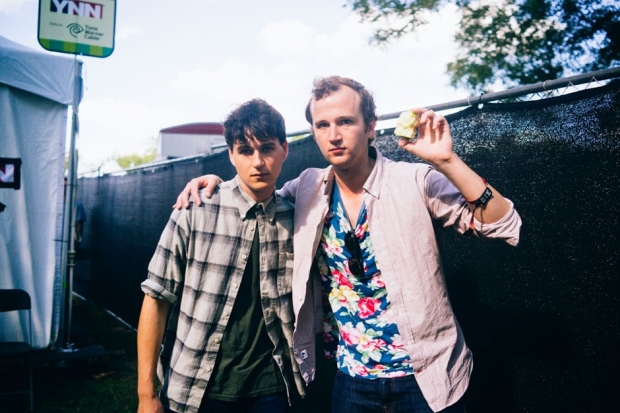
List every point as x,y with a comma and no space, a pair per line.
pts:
409,11
133,160
512,41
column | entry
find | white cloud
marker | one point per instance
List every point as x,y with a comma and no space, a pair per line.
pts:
287,38
12,6
218,91
350,39
198,1
237,81
409,72
125,32
110,127
199,72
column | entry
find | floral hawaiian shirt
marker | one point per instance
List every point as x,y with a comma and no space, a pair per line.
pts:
369,344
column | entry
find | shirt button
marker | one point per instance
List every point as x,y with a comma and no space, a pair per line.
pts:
244,256
209,369
216,341
226,315
235,285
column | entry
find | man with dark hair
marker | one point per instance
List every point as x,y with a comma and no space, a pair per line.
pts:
220,280
366,237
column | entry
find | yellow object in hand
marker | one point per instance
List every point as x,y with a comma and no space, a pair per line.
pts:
406,124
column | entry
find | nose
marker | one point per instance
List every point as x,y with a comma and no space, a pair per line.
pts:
257,160
333,134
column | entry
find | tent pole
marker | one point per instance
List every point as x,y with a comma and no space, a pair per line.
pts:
68,254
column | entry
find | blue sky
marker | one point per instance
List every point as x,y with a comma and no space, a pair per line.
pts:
189,61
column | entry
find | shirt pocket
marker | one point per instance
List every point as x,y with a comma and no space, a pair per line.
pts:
285,275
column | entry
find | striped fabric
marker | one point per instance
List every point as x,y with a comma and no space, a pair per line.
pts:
198,266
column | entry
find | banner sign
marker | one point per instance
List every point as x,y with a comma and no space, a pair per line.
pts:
77,27
10,176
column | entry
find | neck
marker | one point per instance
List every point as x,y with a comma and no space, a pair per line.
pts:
262,197
352,180
259,196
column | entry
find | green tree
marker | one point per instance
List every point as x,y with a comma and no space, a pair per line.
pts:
133,160
511,41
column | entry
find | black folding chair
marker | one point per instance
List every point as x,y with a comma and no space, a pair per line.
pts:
18,300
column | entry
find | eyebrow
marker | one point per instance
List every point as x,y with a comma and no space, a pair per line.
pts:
338,119
242,146
258,145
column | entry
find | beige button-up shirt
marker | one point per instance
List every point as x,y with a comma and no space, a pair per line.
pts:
407,205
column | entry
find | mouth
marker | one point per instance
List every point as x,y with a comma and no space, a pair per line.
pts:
337,151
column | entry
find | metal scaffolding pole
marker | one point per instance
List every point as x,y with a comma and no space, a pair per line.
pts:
68,248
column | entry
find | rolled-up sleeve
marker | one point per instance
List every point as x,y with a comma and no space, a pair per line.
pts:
448,206
156,291
508,228
166,269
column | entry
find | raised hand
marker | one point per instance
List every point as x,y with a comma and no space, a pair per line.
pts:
433,143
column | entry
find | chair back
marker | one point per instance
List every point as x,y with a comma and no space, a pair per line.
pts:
18,300
14,300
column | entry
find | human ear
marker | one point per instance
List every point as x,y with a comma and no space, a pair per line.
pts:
285,147
231,157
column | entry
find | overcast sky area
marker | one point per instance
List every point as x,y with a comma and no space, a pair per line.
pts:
186,61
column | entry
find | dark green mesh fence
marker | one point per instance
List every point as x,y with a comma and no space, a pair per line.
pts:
541,319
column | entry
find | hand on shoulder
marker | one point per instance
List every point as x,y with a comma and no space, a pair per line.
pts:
208,182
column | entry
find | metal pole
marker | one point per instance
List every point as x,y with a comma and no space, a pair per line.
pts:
68,248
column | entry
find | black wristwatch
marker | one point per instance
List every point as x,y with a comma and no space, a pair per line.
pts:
484,198
482,201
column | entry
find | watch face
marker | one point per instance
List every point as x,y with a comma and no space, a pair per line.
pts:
485,196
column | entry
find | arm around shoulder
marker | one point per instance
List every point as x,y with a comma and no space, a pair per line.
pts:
289,190
209,182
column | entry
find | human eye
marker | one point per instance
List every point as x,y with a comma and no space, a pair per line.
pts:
267,148
321,125
245,151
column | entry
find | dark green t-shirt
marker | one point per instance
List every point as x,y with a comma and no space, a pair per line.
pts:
245,366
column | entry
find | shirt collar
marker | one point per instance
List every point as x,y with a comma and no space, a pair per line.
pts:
373,183
245,203
328,180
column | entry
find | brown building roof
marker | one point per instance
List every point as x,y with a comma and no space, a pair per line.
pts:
200,128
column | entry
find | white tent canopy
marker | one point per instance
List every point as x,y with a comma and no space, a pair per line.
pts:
35,91
42,74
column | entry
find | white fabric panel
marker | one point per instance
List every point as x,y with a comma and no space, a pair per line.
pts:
34,129
43,74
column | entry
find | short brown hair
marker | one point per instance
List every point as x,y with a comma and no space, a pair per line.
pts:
326,85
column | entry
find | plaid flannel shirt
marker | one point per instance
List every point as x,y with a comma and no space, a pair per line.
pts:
198,266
